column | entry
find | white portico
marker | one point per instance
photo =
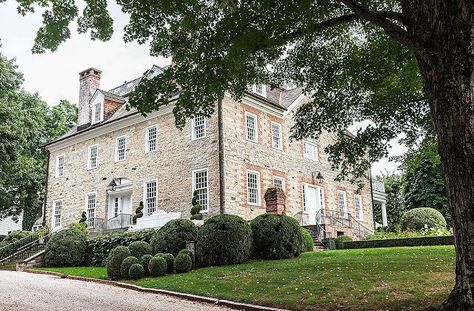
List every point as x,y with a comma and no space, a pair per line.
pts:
380,197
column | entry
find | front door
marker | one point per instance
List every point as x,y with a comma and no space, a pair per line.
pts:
119,204
313,197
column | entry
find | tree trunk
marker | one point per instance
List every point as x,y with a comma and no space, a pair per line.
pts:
446,30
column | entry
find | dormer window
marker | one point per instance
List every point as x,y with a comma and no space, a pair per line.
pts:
260,89
97,112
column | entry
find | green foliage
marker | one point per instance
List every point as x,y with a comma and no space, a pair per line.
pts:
114,261
172,237
382,235
342,238
308,242
10,243
169,262
138,213
224,240
100,246
276,237
137,271
140,248
423,217
66,248
144,261
196,209
157,266
398,242
81,227
186,251
183,263
125,266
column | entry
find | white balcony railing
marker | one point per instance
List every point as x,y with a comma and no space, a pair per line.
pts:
378,185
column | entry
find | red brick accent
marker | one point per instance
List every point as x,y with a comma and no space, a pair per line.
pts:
276,205
110,107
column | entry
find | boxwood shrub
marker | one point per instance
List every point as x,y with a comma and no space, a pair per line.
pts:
276,237
140,248
157,266
183,263
187,251
416,219
144,261
308,242
422,241
114,261
66,248
172,237
224,240
136,271
169,262
126,264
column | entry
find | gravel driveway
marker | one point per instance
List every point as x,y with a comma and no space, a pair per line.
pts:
25,291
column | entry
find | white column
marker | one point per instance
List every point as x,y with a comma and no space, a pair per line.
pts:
384,215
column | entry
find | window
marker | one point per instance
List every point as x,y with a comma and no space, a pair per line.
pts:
90,209
341,203
251,126
60,166
150,197
260,89
97,113
253,188
276,136
116,206
92,155
151,138
57,207
199,127
120,145
279,182
358,206
310,150
200,184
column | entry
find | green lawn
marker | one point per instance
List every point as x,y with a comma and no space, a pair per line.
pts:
403,278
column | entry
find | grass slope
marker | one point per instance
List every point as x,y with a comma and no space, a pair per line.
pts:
403,278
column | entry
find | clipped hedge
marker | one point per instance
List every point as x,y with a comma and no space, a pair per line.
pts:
224,240
169,262
126,264
99,247
172,237
188,252
157,266
136,271
114,261
308,242
416,219
66,248
276,237
144,261
423,241
140,248
183,263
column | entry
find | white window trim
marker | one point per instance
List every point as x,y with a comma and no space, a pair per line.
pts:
56,172
94,121
345,204
89,167
145,205
53,214
194,185
87,204
256,127
193,133
280,132
361,216
264,89
258,188
116,148
147,150
316,155
279,178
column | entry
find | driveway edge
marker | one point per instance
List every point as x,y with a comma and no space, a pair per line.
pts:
190,297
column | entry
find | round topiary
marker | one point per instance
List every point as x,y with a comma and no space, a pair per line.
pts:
136,271
144,261
114,261
224,240
183,263
66,248
126,264
416,219
157,266
172,237
308,242
140,248
276,236
187,251
169,262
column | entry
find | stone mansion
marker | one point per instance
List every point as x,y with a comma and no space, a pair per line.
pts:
116,158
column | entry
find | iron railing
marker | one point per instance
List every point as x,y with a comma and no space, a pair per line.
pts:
27,250
119,222
95,224
13,247
339,219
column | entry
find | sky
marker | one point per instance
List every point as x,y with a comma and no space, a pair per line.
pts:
54,75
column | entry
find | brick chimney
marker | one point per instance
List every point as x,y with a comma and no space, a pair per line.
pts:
89,82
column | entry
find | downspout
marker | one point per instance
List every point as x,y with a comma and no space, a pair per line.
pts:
45,203
220,126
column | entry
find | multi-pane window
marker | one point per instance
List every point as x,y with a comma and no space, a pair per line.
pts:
120,145
90,209
310,150
151,138
259,89
60,166
341,203
276,136
358,206
279,182
199,127
200,185
93,154
251,126
150,197
116,206
57,207
253,188
97,112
